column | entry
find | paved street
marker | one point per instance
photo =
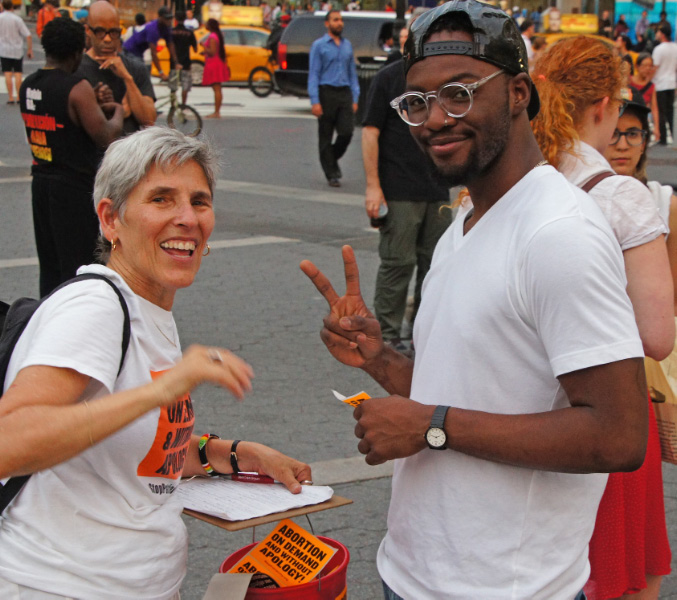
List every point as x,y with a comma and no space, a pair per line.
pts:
273,209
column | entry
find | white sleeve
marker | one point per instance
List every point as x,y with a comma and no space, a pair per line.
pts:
573,288
630,209
79,328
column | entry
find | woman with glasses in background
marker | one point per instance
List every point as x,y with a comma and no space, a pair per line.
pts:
580,81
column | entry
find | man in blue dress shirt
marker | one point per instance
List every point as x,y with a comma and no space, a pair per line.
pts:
333,91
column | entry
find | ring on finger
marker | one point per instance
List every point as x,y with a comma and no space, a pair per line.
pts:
214,355
307,482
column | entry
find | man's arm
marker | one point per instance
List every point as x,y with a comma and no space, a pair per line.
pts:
142,107
29,46
172,53
374,197
102,123
354,83
314,69
604,430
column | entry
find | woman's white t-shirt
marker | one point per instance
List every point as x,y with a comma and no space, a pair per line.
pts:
105,523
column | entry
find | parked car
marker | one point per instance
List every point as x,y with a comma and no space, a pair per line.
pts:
367,32
245,50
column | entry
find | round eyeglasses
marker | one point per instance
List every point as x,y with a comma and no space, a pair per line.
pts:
454,98
633,136
100,32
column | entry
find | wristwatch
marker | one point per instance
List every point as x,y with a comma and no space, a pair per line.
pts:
436,437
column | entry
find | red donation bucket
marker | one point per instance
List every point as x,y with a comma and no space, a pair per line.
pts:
331,586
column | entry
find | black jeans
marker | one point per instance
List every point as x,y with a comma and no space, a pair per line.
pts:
666,110
66,229
337,115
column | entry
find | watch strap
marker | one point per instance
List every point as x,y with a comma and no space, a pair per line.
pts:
439,416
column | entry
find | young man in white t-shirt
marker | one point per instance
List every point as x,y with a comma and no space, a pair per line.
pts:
665,78
528,383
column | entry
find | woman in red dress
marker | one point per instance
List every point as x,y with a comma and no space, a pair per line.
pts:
216,68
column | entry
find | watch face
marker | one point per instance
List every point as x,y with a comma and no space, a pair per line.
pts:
436,437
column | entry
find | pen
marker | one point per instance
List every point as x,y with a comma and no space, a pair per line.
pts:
249,477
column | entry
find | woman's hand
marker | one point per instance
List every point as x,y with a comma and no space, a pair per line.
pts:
199,365
264,460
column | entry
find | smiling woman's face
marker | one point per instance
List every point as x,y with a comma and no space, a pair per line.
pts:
623,157
167,221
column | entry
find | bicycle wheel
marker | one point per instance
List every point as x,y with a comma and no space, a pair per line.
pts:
186,119
261,82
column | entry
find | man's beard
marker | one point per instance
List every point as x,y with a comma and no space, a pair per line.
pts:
481,159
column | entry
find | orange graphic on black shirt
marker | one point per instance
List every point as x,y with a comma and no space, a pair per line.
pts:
172,440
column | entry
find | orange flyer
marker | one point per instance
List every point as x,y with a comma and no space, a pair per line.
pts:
354,400
288,554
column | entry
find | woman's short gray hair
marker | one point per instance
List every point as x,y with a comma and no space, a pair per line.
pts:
129,159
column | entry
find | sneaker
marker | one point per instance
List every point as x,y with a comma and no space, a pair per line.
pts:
333,182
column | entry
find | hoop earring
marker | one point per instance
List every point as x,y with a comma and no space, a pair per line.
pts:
114,245
208,251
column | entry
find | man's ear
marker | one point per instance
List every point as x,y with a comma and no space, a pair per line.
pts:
520,93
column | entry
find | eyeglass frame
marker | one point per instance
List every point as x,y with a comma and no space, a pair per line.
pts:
469,87
625,133
109,32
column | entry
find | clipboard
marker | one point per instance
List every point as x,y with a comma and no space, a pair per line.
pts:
334,502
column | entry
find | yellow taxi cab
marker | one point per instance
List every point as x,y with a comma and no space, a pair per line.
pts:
245,50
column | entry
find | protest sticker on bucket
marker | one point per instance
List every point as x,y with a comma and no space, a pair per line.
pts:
288,554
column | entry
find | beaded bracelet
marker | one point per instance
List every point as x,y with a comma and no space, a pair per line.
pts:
202,451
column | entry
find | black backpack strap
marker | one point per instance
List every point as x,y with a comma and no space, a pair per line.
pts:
13,486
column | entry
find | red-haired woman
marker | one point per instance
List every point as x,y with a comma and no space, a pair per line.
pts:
216,69
579,81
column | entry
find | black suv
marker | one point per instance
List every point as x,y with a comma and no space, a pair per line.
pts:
367,32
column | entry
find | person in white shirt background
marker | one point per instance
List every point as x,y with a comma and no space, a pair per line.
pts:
13,34
665,78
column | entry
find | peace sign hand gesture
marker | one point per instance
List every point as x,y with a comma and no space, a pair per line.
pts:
351,332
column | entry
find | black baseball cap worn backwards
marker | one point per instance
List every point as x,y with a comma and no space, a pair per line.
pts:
496,40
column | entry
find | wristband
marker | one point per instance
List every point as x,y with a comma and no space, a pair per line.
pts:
233,457
202,451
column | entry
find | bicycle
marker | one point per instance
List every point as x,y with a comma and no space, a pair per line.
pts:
262,79
181,117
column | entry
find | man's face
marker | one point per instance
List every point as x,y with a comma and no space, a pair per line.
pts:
189,14
605,15
106,46
644,14
335,23
462,149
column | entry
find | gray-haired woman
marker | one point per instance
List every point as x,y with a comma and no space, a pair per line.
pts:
98,518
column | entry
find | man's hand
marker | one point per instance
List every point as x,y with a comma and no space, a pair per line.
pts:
373,199
316,109
164,76
110,109
115,64
29,54
104,95
354,107
351,333
392,427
